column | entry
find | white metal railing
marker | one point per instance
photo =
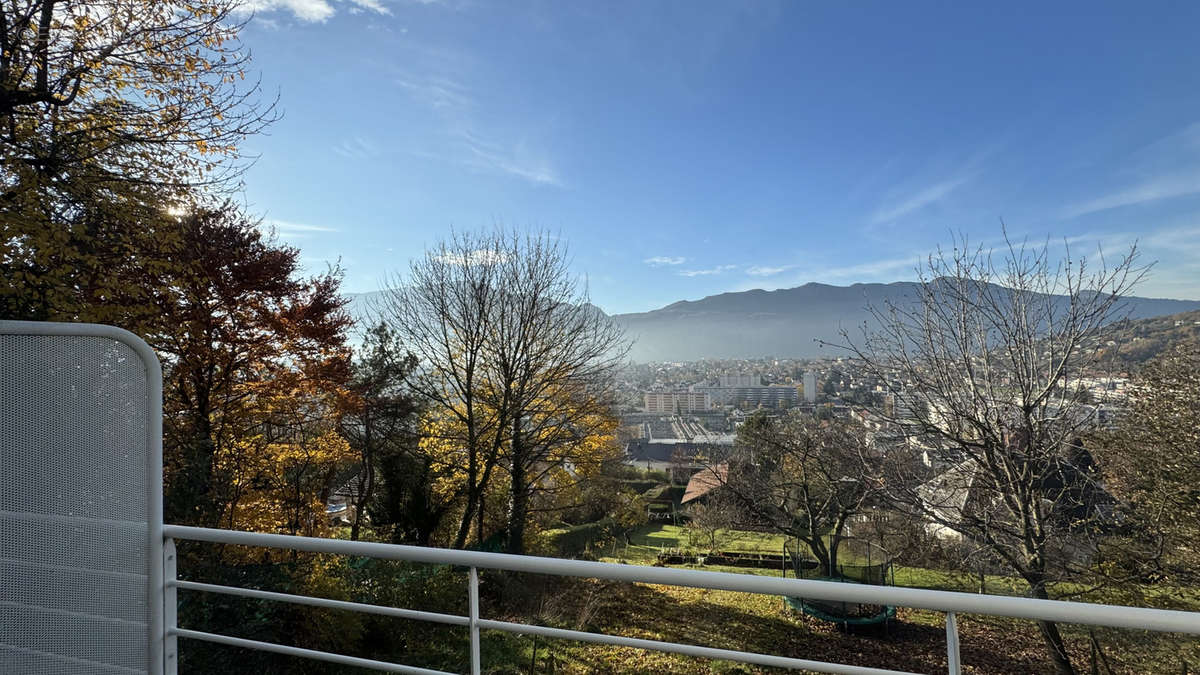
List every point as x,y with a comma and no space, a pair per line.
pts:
952,603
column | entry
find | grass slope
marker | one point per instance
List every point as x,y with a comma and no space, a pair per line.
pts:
745,622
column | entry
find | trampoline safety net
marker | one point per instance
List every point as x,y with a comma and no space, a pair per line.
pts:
873,573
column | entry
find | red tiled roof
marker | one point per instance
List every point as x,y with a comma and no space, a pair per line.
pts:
703,482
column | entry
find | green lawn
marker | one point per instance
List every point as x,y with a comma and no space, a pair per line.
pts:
648,541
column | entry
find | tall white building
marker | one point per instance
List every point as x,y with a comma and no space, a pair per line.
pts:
810,386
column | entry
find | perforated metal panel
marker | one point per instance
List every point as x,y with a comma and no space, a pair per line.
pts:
78,516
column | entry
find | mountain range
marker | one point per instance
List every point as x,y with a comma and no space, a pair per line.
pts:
790,322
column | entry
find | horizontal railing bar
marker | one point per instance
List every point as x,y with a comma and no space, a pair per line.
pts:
1115,616
300,652
689,650
396,612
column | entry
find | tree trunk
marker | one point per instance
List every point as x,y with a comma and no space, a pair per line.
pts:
1058,650
1052,638
817,546
520,495
835,542
366,481
360,505
464,527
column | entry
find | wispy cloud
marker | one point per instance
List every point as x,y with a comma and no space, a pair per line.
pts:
305,10
1174,249
719,269
766,271
1186,237
312,11
919,200
1164,186
660,260
371,5
438,91
883,270
1167,168
266,23
519,160
290,230
875,270
358,147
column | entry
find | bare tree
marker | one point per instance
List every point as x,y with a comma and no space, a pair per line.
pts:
443,311
712,522
509,346
804,478
986,363
554,356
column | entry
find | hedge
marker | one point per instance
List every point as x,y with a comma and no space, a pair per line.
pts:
574,540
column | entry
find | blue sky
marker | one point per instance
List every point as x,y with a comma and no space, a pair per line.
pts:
686,149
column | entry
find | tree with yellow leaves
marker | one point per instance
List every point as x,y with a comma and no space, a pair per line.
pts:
111,112
510,347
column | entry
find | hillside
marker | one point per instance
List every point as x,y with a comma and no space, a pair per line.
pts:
788,322
1138,341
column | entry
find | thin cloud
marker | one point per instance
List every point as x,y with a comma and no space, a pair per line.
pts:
930,195
1167,168
885,270
875,270
290,230
719,269
765,271
371,5
357,148
442,79
1175,242
311,11
519,160
1160,187
660,260
1173,249
437,91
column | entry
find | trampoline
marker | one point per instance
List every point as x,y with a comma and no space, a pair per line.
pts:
847,615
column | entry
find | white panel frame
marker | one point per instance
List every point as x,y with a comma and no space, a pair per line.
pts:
154,494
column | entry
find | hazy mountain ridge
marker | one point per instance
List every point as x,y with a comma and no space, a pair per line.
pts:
788,322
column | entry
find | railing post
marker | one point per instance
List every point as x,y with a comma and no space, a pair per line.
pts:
473,598
952,658
170,608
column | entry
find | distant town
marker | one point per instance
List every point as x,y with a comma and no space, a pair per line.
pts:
674,415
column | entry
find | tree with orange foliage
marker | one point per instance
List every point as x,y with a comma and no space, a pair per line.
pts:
255,365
